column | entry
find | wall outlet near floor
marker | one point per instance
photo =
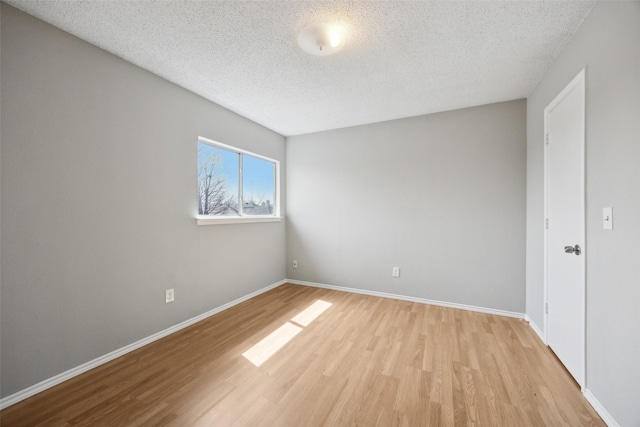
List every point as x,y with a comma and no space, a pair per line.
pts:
169,296
395,272
294,263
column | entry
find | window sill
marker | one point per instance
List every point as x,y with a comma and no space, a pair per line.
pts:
236,220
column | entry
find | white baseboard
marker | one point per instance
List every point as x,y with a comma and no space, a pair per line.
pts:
604,414
64,376
411,299
535,328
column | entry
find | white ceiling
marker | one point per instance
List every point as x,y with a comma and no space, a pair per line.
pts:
401,58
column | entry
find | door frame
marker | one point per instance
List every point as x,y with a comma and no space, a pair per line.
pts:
580,79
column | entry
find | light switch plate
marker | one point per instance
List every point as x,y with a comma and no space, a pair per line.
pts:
607,218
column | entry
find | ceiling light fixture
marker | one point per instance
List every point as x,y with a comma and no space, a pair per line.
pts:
321,39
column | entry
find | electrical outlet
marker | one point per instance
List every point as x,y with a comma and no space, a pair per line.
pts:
396,272
169,296
295,263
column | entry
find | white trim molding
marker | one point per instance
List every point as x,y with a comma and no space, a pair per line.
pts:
64,376
604,414
535,328
411,299
236,220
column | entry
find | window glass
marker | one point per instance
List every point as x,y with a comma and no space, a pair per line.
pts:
218,172
258,186
227,176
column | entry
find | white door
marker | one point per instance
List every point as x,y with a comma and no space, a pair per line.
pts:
565,237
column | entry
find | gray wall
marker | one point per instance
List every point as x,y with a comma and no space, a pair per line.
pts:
98,204
441,196
608,45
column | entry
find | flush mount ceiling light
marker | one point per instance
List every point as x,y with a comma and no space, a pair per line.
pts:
321,39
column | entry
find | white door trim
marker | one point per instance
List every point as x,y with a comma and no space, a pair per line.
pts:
578,80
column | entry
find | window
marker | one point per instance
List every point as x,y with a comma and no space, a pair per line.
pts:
235,185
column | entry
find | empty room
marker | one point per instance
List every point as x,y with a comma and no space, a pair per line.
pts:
319,213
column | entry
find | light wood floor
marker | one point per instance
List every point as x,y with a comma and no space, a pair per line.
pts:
363,361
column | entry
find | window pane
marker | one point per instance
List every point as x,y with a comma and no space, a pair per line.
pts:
258,186
217,181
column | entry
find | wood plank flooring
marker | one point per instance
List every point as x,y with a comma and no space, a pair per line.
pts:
364,360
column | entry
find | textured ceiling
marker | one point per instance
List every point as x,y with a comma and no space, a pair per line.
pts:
401,58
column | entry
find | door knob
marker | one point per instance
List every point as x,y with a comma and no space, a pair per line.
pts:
573,249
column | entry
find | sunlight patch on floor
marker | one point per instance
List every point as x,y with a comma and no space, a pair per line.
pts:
273,342
277,339
309,314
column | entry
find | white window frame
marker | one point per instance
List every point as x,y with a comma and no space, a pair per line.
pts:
240,219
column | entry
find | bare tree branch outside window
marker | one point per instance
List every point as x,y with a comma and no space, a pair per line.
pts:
213,192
